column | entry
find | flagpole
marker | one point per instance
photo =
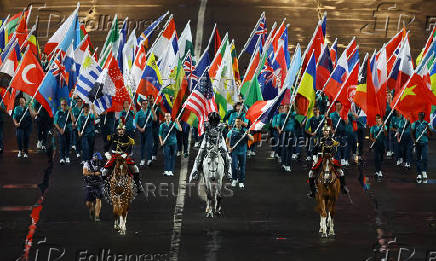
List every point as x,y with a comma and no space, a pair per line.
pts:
425,130
151,50
402,132
262,15
86,121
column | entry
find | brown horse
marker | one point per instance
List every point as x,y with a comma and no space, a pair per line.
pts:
121,194
328,185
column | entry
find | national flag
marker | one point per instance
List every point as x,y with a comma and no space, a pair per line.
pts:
427,46
151,81
337,77
349,89
29,75
166,47
214,43
88,75
129,58
185,41
53,88
60,34
110,47
334,53
361,93
307,87
121,41
216,62
381,84
145,36
402,69
261,112
250,89
115,83
324,68
138,66
259,31
372,82
181,89
189,65
235,65
315,44
224,84
291,76
7,99
202,101
11,59
413,98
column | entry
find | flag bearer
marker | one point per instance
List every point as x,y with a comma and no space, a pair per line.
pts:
378,134
313,129
63,122
421,130
155,129
339,131
42,124
144,124
127,115
286,130
168,141
86,131
239,151
275,134
77,111
404,139
22,118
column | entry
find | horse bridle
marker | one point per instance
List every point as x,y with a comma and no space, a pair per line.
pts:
329,176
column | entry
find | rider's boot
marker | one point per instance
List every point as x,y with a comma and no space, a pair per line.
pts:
344,188
227,165
312,188
194,172
138,184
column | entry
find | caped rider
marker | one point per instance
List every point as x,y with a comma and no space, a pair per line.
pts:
122,146
327,145
212,134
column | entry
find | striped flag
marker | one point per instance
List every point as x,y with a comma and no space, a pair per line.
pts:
202,101
88,75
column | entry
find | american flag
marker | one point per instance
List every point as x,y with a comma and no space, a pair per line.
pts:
202,101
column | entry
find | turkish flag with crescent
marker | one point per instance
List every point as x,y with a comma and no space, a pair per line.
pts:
29,75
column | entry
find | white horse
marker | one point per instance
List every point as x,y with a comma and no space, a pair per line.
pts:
212,178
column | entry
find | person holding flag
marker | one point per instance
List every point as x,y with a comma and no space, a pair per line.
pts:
144,124
43,124
127,115
77,111
404,139
22,118
86,131
377,134
338,125
63,122
286,130
168,140
420,131
237,143
314,133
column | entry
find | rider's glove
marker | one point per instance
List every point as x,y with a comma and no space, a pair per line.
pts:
108,156
124,155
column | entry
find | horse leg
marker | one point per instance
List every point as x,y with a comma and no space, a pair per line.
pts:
323,223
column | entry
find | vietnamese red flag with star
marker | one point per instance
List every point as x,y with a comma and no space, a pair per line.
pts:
414,97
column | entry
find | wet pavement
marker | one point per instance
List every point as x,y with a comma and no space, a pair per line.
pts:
271,219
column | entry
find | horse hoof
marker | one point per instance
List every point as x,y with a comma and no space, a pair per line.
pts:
323,235
123,233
